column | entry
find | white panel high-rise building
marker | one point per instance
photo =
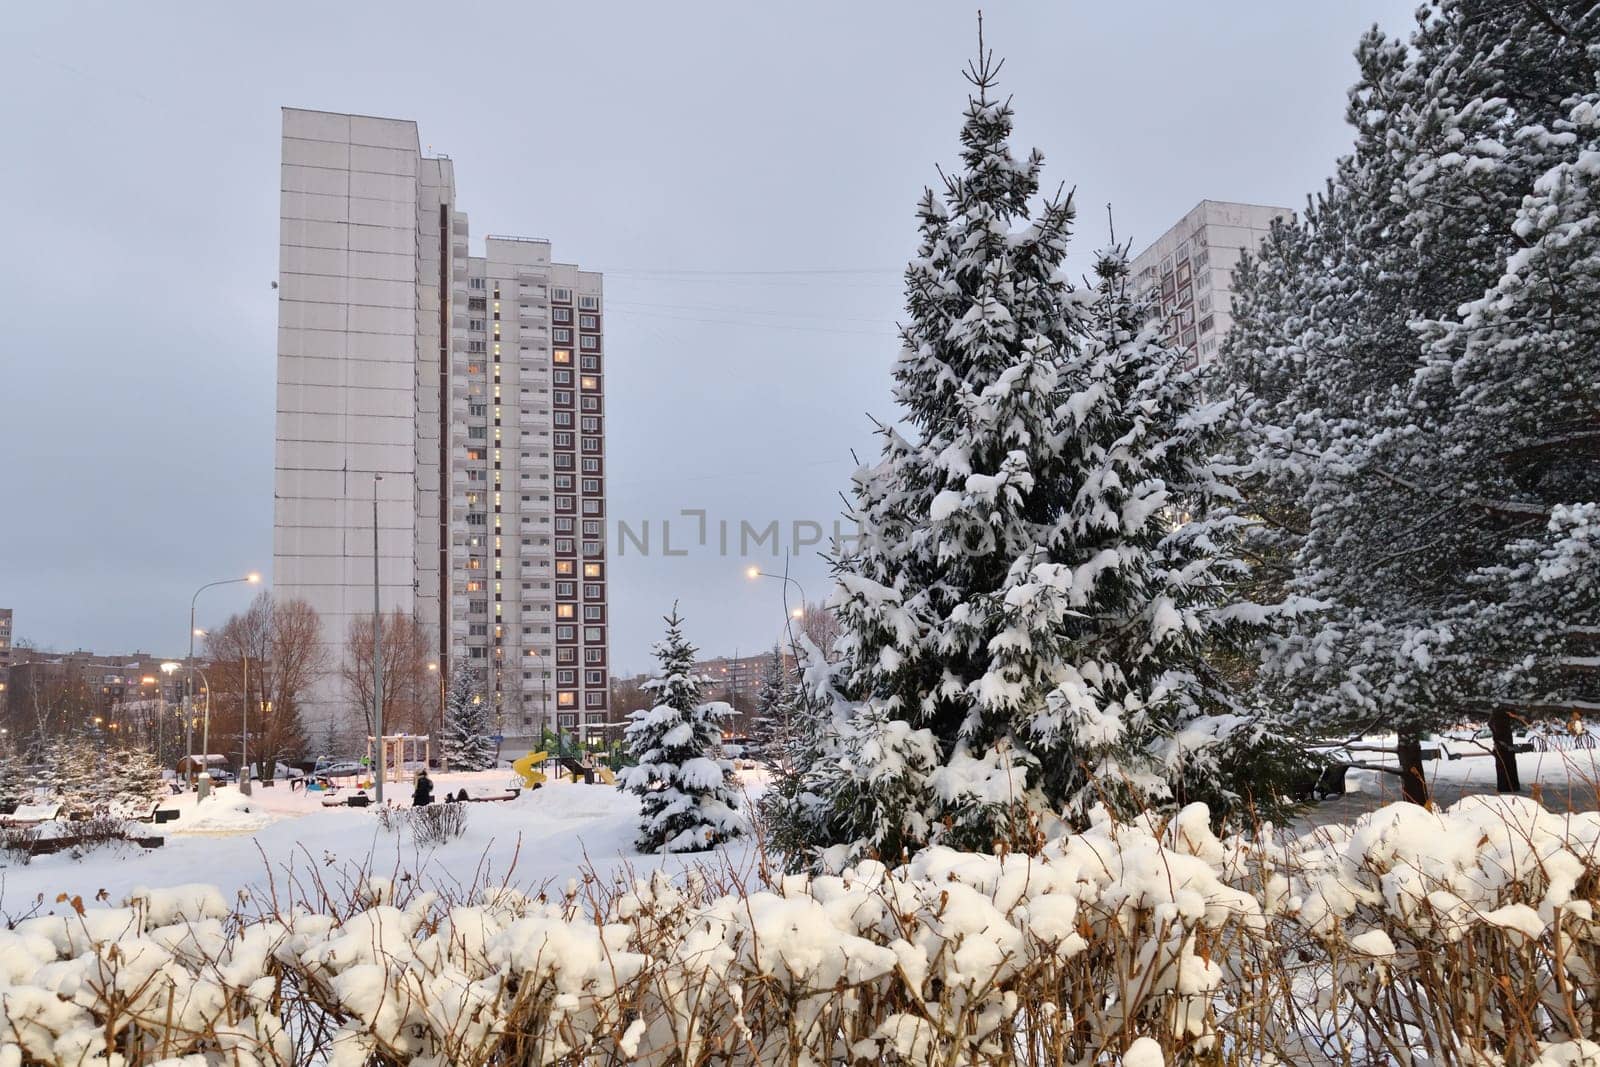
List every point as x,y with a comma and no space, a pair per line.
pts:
1188,271
467,393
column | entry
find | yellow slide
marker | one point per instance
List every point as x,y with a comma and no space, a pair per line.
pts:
531,779
605,775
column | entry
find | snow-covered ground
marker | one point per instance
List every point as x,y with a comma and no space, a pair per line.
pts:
277,839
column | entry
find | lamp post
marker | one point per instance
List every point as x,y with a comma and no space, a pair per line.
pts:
377,653
755,572
434,668
244,728
203,779
544,697
188,694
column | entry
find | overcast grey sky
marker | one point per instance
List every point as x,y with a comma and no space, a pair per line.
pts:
687,150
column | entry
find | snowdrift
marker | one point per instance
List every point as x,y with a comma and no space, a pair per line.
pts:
1467,936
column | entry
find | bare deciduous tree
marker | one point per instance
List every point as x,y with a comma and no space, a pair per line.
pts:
410,690
282,641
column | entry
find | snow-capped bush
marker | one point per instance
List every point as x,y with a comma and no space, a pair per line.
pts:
1464,936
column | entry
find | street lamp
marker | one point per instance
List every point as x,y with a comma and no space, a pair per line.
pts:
753,572
434,667
188,694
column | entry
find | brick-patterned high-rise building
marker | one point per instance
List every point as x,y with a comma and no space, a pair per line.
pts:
1187,272
474,386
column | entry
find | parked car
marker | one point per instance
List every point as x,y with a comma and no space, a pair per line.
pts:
337,767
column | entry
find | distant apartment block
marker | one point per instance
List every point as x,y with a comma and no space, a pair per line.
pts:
465,394
1188,271
6,643
59,692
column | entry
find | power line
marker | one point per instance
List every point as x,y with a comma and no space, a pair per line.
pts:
798,271
888,335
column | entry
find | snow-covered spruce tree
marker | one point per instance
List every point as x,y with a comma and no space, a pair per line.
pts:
134,776
1370,376
467,741
1025,621
772,721
689,800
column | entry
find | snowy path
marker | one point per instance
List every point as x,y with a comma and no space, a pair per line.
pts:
1565,780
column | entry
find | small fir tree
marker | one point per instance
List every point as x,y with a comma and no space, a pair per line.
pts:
135,777
467,741
772,722
689,801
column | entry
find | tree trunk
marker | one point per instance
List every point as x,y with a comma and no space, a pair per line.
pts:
1413,782
1506,778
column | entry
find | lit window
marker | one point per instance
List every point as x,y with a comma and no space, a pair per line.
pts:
566,700
592,570
589,381
562,355
564,611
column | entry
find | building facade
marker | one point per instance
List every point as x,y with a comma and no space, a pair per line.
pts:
6,645
454,403
63,692
1188,271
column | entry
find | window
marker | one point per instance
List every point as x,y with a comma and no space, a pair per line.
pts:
591,528
588,342
565,611
478,410
594,655
564,545
589,303
562,315
566,677
593,634
563,295
476,347
594,700
563,336
477,518
566,700
593,590
591,466
564,567
591,403
475,586
477,453
563,440
477,476
478,629
563,396
589,381
477,303
590,485
589,362
591,612
1206,324
563,377
566,588
588,322
594,677
477,607
564,418
591,444
566,633
478,652
594,570
591,548
475,324
561,355
475,283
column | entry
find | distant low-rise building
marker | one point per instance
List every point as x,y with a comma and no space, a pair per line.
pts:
60,692
5,653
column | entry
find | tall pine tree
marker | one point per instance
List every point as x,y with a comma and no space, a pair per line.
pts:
1025,622
467,741
1399,436
689,801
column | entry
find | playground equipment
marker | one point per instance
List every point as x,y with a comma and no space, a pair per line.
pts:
403,755
531,779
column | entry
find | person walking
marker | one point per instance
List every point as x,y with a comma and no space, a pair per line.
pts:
422,795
